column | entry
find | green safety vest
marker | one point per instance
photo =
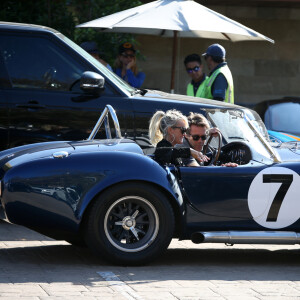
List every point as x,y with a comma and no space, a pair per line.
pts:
201,89
229,97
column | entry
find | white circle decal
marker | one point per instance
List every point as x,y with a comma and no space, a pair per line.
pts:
273,198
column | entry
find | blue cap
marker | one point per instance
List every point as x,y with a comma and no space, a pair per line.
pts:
90,47
215,50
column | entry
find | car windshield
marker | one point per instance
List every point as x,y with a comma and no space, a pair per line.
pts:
257,122
283,117
235,125
105,71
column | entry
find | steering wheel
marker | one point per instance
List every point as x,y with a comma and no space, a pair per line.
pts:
216,152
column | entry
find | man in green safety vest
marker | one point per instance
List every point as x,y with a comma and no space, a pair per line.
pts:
219,84
194,69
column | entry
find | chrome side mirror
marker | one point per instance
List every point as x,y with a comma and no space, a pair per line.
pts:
92,83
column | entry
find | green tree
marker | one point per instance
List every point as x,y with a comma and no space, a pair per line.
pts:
55,14
88,10
64,15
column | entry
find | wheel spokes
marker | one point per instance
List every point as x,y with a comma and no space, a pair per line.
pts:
141,216
130,223
134,232
135,214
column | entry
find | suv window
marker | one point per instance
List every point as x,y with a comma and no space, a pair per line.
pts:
36,62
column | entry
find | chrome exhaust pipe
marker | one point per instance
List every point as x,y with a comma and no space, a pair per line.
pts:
247,237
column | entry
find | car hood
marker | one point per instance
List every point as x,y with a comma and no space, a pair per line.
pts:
159,95
289,151
284,136
23,154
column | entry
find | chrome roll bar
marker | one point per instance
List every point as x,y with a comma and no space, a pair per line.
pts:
104,118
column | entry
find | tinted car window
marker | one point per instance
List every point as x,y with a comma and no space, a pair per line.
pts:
36,62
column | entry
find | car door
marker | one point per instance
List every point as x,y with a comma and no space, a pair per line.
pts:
219,191
45,101
4,113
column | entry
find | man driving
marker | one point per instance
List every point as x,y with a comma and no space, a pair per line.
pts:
199,130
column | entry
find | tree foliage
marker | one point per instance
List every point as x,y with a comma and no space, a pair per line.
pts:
64,15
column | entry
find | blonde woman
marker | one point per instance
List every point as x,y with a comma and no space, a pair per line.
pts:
126,68
166,130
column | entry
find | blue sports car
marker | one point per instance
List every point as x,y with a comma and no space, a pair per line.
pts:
282,118
111,196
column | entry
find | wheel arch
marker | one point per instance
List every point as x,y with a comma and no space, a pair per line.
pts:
177,208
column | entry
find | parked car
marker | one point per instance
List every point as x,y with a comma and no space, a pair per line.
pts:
46,92
51,89
127,207
282,118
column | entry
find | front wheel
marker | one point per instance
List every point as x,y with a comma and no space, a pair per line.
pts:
130,224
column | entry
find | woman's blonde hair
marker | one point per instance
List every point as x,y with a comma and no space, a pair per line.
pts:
161,121
118,65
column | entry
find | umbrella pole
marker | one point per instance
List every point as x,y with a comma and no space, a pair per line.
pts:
174,55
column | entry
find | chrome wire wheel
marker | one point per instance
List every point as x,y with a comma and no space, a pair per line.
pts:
131,224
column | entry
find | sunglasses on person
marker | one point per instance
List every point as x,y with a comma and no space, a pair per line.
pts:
197,137
195,69
182,129
128,55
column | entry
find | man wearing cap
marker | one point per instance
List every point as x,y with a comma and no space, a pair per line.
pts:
219,85
91,48
126,67
194,68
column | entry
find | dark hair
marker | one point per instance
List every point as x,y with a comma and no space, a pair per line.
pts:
198,120
217,59
191,58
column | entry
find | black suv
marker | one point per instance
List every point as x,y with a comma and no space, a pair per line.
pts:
51,89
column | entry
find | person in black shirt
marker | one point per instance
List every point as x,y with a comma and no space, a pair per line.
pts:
199,131
166,130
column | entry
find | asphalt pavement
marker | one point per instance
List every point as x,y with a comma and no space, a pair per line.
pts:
36,267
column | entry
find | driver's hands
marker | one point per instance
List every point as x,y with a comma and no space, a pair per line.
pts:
199,156
214,131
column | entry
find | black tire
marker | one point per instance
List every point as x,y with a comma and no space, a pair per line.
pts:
141,206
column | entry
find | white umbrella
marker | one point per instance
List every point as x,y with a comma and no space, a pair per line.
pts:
176,18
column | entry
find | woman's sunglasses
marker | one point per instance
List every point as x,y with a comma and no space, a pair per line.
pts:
182,129
195,69
197,137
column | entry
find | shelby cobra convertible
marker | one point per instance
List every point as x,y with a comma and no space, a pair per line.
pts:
111,196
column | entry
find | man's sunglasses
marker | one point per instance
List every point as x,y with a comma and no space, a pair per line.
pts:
195,69
128,55
197,137
182,129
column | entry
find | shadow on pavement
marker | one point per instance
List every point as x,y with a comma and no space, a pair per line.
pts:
26,256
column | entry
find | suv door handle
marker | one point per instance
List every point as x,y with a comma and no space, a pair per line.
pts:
31,105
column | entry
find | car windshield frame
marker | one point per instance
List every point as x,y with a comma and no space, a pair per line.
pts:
235,125
119,82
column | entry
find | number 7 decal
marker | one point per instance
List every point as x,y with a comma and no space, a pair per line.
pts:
286,180
273,197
